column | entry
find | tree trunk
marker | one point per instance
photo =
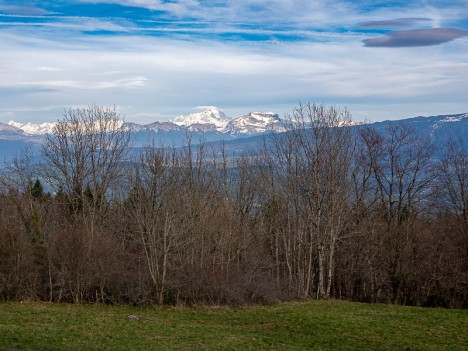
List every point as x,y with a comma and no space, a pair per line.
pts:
321,264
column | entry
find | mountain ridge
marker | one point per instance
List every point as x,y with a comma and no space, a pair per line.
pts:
238,134
210,120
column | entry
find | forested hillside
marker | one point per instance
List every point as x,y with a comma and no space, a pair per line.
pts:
322,211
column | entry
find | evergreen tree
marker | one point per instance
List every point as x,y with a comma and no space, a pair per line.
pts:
37,191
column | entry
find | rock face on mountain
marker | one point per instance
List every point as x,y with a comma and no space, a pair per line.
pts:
154,127
209,125
255,123
212,119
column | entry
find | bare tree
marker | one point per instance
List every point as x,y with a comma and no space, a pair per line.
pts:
152,209
402,171
84,156
402,168
454,178
312,165
454,190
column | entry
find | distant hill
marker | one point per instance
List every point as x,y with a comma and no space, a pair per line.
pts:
439,129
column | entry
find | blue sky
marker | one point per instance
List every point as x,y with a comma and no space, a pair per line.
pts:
157,59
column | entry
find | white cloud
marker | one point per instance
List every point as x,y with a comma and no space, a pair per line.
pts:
203,108
49,69
71,23
127,82
154,77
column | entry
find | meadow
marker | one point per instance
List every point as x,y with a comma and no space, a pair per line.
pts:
303,325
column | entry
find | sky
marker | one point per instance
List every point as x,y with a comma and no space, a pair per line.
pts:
156,59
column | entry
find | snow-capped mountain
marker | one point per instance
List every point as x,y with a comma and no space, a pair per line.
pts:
154,127
212,120
439,129
208,120
255,123
213,125
13,141
450,119
6,129
34,129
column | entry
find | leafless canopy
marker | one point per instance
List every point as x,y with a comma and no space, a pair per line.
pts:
84,155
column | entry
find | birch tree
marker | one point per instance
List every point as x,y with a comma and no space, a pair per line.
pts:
313,167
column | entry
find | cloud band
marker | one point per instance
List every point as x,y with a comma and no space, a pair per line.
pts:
416,37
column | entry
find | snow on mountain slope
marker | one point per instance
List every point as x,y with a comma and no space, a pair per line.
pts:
48,128
155,127
212,118
163,126
240,133
8,129
255,123
450,119
34,129
134,127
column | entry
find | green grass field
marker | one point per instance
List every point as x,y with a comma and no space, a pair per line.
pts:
319,325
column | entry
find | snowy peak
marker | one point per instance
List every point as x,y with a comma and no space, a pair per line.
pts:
163,126
34,129
212,119
255,123
155,127
7,129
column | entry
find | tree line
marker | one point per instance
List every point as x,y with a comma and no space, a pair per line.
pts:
321,211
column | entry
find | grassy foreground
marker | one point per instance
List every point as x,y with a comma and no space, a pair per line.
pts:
321,325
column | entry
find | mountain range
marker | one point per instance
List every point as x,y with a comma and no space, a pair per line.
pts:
212,125
210,120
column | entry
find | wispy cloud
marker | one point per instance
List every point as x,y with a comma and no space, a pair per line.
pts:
49,69
127,82
177,7
394,23
23,10
204,107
